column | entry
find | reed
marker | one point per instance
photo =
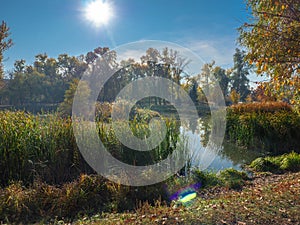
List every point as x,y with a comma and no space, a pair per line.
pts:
44,147
270,126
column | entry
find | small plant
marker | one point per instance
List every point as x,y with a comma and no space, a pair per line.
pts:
205,178
263,165
232,178
291,162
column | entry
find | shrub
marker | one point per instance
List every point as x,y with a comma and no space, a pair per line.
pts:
206,178
277,164
269,126
232,178
263,165
291,162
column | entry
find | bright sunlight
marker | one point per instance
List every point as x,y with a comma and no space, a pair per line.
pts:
98,12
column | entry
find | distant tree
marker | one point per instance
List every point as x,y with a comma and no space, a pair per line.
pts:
70,67
193,91
204,76
65,108
240,71
5,43
261,95
272,39
222,79
20,66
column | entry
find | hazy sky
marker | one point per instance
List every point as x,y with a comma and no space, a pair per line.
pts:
207,27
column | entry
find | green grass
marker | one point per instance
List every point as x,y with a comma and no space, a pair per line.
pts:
44,147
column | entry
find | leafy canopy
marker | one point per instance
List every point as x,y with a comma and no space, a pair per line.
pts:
273,39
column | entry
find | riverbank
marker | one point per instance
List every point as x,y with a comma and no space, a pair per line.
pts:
266,199
228,197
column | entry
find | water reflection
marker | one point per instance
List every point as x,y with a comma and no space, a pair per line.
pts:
201,152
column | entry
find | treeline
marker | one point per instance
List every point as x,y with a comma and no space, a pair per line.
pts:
53,81
50,82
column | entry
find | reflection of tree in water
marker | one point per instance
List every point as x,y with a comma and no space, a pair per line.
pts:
239,155
206,130
230,152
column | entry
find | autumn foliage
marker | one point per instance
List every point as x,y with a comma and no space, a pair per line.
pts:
272,39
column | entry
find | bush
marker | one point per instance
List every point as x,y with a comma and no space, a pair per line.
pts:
277,164
87,195
232,178
269,126
205,178
229,178
263,165
291,162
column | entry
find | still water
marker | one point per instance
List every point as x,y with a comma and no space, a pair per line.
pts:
227,155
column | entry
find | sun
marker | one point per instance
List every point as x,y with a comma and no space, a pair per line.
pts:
98,12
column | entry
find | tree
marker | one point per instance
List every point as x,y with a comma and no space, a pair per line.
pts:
193,90
222,78
65,108
70,67
234,96
240,82
5,44
273,39
206,71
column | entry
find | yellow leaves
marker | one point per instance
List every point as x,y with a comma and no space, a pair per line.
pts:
282,7
265,68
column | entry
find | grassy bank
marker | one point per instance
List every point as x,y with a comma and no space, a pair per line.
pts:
226,197
272,126
267,199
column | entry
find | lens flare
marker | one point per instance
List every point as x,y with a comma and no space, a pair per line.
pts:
186,195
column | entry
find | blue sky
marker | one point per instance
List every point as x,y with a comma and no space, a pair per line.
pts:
207,27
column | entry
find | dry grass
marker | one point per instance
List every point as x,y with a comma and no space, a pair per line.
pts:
268,199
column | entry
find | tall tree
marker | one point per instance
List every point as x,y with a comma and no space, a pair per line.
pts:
240,81
222,78
273,39
204,76
5,43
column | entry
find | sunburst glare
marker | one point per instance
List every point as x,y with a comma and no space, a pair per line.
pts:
98,12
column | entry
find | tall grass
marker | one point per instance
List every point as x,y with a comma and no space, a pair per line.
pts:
270,126
41,146
44,147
